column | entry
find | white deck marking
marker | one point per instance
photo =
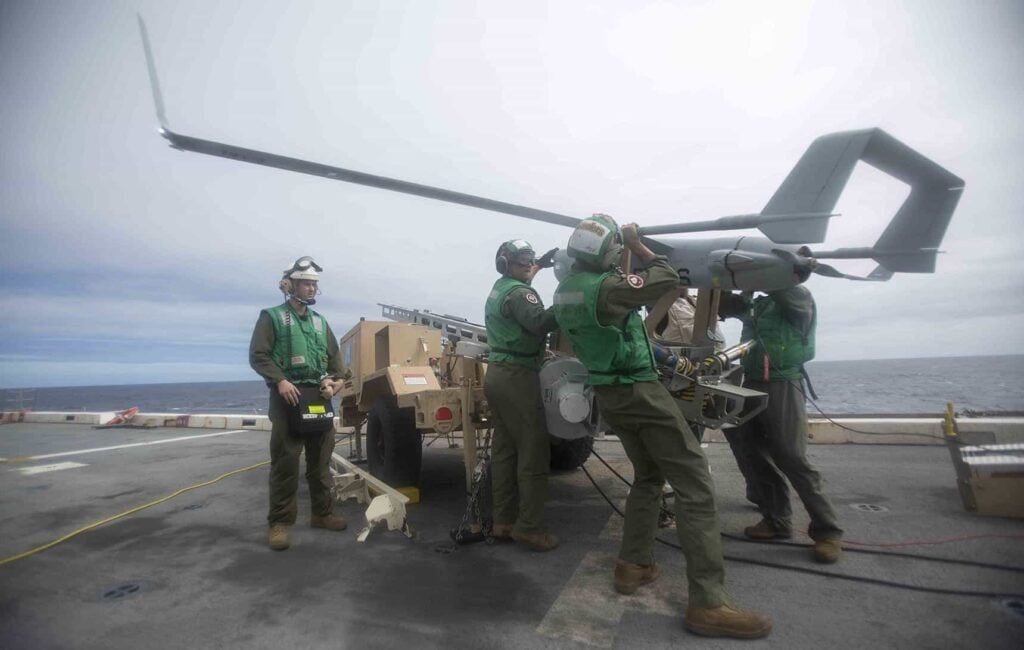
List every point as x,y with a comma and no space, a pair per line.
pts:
55,467
589,609
134,444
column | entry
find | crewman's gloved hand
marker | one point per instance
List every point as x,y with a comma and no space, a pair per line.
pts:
547,260
630,236
327,388
732,305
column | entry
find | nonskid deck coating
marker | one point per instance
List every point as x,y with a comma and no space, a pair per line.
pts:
195,571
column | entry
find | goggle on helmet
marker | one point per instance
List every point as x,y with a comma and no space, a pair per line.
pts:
304,268
516,251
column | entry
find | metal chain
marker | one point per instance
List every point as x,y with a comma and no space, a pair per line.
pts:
481,473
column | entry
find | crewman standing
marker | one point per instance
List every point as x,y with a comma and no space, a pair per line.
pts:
772,446
296,353
596,305
517,326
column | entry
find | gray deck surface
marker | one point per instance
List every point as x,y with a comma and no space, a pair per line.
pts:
195,570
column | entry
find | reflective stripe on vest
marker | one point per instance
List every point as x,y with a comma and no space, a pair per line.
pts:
612,355
300,344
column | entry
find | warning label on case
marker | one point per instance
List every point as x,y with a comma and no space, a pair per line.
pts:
414,380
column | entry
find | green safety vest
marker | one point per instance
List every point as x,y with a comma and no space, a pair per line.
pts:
612,354
300,344
787,347
508,340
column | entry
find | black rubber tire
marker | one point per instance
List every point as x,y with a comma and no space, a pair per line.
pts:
394,448
570,454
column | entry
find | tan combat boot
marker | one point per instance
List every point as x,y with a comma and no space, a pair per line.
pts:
764,530
278,537
536,541
501,532
629,577
828,551
726,620
330,522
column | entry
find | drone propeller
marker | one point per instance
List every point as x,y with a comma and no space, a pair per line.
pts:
804,261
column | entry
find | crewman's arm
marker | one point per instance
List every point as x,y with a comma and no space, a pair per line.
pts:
797,306
335,371
334,366
260,346
621,294
525,307
732,304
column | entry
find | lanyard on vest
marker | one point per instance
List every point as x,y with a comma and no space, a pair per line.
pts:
767,365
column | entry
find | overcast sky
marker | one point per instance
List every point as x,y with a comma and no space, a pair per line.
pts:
125,261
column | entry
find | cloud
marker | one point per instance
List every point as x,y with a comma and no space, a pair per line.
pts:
655,112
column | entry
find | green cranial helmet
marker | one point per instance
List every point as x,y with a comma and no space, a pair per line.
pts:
596,242
516,251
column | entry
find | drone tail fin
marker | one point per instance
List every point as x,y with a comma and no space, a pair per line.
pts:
819,177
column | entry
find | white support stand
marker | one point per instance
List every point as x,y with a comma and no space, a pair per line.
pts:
388,507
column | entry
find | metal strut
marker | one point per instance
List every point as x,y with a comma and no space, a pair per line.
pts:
453,327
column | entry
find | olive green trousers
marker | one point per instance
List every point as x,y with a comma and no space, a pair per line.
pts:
661,447
771,448
520,449
285,449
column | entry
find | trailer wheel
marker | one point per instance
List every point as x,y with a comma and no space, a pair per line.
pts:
570,454
394,448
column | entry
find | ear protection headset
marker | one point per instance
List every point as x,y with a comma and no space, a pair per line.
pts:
507,253
501,259
614,252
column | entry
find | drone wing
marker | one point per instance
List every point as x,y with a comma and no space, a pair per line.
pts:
188,143
797,213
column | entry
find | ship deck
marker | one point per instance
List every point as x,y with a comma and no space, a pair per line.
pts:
194,570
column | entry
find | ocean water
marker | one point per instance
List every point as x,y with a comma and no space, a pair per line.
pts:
990,384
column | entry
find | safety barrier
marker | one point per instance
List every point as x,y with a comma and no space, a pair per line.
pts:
173,420
901,431
147,420
865,430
